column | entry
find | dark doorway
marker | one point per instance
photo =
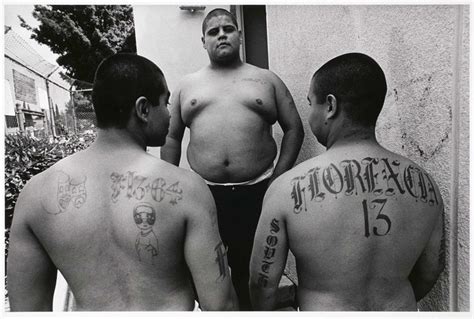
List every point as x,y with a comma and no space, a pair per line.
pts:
254,19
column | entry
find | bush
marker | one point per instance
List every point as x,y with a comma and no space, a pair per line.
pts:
25,157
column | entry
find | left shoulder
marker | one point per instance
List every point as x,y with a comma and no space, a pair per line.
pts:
263,73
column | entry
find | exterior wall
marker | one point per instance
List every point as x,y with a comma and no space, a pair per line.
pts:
424,51
171,38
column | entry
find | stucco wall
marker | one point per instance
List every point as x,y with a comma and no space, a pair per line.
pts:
171,38
424,51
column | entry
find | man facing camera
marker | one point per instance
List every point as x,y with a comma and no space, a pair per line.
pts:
230,107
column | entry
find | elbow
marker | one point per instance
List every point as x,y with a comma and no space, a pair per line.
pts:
262,299
230,304
223,302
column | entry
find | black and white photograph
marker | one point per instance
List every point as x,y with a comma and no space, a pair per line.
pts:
246,158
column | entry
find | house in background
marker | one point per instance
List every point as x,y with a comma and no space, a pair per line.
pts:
35,94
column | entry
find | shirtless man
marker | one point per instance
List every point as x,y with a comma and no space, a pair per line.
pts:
81,215
364,224
230,107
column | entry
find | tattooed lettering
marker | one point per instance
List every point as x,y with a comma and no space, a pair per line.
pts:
135,186
268,253
274,228
70,192
221,253
260,81
376,202
380,177
146,244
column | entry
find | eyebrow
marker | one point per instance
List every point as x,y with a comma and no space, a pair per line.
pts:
224,26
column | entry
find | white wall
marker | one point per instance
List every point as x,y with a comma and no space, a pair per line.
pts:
171,38
424,51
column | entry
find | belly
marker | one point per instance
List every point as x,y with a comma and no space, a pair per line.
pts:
231,151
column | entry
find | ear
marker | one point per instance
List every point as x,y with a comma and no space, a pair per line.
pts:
240,36
203,44
142,108
332,106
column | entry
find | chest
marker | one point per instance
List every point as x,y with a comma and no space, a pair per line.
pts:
230,97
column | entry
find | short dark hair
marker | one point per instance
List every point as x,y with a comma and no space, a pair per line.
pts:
216,13
357,81
119,80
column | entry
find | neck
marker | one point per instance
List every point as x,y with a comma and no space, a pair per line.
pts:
352,135
228,65
115,138
146,232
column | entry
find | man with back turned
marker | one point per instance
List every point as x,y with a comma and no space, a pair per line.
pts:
127,231
364,224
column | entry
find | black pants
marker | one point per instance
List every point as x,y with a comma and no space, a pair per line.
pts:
238,211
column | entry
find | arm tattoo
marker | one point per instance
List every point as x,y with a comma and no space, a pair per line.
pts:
146,244
70,192
221,253
268,253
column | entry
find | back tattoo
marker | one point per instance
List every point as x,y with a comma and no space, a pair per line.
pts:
382,177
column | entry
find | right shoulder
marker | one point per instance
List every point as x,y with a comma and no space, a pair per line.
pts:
191,78
32,196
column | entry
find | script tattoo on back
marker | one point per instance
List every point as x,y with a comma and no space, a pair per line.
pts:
381,177
136,186
268,253
71,192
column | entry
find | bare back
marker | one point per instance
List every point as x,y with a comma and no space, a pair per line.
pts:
230,114
358,219
115,224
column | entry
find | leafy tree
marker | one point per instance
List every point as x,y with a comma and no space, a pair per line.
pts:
83,35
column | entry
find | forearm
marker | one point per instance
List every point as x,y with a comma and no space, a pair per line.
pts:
171,151
290,147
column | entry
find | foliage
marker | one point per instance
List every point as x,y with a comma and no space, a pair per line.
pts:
25,157
82,103
83,35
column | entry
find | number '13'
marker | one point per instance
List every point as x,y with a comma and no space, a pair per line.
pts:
376,202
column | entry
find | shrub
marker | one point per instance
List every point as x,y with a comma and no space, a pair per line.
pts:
25,157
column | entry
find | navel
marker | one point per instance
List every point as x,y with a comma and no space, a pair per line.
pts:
193,102
259,102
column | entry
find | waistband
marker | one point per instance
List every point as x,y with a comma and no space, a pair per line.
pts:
268,173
